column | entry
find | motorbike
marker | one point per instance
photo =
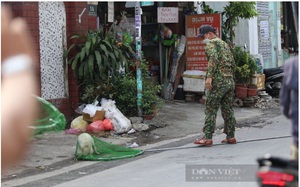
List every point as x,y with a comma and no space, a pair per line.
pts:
274,171
273,80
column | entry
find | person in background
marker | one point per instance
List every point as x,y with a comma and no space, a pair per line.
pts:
288,99
219,86
18,106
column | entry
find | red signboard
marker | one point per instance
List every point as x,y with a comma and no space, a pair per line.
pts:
195,48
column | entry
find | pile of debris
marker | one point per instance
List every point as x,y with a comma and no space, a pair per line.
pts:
262,101
251,101
247,102
267,103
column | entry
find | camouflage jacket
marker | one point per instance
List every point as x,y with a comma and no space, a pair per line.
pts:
220,59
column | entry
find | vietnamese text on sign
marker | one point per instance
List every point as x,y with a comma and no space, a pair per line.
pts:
167,14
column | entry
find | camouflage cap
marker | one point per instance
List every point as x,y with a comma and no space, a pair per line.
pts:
204,29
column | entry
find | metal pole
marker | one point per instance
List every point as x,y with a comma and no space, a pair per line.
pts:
138,57
295,16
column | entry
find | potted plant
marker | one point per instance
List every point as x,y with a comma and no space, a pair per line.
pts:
252,90
242,75
245,67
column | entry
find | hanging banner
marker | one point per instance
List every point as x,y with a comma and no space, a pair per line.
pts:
195,48
111,12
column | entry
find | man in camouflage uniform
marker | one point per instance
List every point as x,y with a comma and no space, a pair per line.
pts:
219,86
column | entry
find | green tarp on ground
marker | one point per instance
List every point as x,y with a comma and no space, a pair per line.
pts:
49,119
108,152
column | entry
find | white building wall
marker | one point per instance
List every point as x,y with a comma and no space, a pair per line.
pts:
217,6
253,36
248,32
242,34
52,25
245,32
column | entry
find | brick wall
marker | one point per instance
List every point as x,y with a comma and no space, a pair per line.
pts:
73,9
30,11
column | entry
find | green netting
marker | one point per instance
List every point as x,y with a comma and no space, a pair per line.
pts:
49,119
108,152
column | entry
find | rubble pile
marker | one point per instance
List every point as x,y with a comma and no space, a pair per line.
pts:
250,101
262,101
138,125
266,103
157,122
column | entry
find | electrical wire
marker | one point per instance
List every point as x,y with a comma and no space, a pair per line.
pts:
197,146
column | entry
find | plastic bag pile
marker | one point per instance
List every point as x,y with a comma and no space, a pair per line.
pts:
113,119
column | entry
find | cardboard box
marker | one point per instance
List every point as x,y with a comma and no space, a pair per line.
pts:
100,115
193,84
259,81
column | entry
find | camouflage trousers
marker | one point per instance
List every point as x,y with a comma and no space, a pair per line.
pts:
222,95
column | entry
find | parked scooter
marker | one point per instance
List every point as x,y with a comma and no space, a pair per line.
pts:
273,80
277,172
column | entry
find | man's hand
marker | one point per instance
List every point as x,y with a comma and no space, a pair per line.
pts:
208,85
18,106
15,36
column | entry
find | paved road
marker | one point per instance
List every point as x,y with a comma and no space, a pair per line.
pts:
52,151
167,168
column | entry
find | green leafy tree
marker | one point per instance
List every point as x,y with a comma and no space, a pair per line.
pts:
206,8
97,59
231,15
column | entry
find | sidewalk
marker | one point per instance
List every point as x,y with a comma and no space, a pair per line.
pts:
181,119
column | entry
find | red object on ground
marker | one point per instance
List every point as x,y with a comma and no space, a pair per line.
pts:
95,126
106,125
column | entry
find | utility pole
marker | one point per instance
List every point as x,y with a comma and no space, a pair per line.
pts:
295,16
138,58
138,45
